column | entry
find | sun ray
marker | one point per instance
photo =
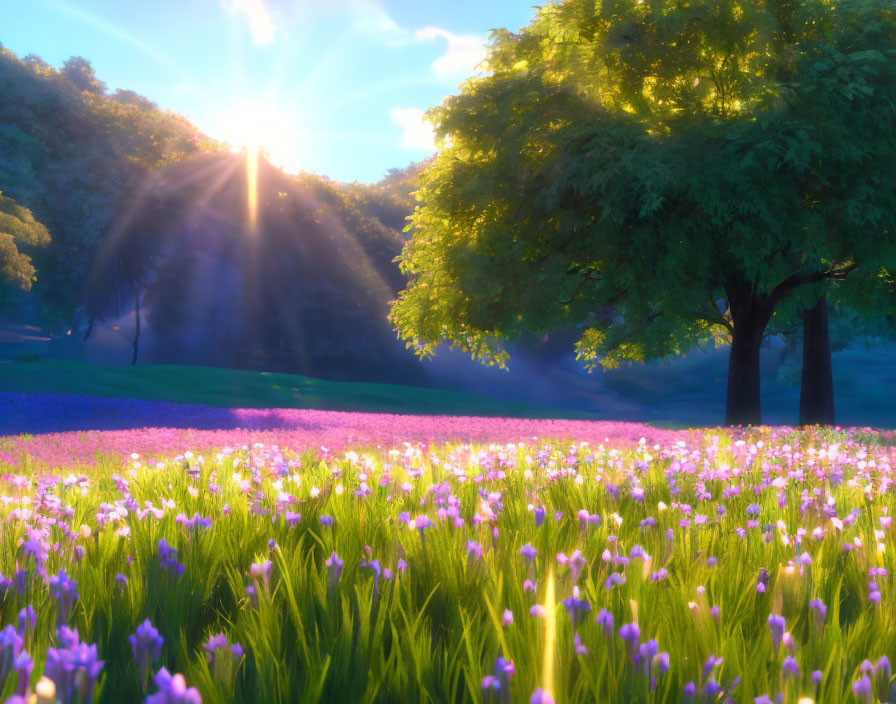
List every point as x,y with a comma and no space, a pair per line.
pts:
252,187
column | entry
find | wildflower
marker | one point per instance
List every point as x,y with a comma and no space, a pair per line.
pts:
539,516
538,611
27,622
334,569
194,523
65,591
375,566
168,560
605,620
776,624
23,665
528,553
790,667
507,618
222,658
578,648
862,689
541,697
576,564
576,607
820,611
146,645
263,570
630,634
326,521
73,669
172,690
474,550
10,646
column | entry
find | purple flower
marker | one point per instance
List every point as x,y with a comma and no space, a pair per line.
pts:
326,521
507,618
23,665
790,667
334,569
630,634
541,697
27,622
576,607
474,550
820,611
578,648
263,570
490,682
375,566
776,624
194,523
539,516
709,666
10,646
65,591
146,645
528,553
605,620
576,564
73,668
660,574
172,690
222,658
168,560
862,689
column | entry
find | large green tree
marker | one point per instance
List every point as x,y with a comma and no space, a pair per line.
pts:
652,171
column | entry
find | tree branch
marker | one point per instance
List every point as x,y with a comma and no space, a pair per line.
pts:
798,279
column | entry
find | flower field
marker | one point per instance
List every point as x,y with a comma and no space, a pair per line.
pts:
519,563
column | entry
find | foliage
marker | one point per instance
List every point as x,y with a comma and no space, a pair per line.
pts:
71,154
629,165
18,227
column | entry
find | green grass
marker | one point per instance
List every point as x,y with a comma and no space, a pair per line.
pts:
431,633
232,388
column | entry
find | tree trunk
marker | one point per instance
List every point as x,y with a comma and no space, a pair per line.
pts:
743,405
89,327
817,384
137,328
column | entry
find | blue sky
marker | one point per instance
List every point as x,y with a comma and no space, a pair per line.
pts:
334,87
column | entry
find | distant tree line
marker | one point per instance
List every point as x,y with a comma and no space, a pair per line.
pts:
113,206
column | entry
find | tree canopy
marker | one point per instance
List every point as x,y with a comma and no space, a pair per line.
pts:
662,175
18,227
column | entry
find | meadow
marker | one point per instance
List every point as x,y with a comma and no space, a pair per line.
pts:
494,560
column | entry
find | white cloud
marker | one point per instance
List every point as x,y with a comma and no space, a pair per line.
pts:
416,132
463,54
258,17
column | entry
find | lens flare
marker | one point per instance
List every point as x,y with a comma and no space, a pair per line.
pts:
550,632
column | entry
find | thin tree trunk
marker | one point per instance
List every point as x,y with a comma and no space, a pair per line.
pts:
137,328
89,327
817,384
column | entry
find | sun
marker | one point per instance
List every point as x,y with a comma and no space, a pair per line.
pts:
262,127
